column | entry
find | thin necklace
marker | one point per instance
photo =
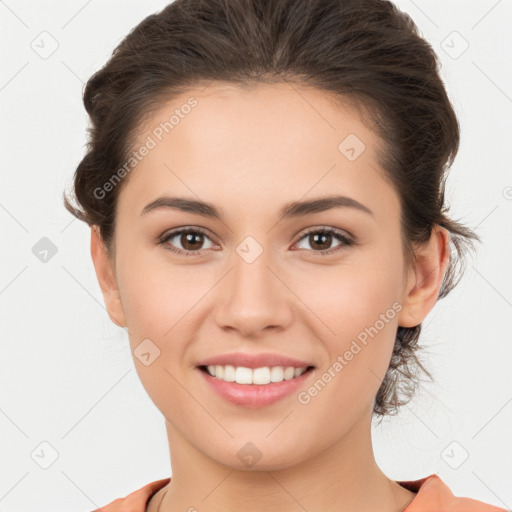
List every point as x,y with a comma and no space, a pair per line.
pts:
161,501
167,490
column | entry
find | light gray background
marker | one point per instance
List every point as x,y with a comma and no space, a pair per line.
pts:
67,376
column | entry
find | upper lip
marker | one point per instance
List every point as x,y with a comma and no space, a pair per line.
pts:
254,360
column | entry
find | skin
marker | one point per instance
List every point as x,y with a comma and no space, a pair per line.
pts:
250,152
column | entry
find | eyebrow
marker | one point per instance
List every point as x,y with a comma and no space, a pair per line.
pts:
290,210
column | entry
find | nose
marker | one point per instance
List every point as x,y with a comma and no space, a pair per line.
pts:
253,297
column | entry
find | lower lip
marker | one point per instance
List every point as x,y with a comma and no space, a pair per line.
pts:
255,395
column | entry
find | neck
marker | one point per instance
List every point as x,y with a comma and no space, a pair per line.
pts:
343,477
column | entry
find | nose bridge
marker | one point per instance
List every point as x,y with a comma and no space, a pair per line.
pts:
251,262
252,296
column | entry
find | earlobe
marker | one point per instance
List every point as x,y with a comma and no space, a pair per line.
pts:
426,278
106,278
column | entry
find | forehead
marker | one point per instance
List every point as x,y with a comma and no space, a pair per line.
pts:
281,115
260,143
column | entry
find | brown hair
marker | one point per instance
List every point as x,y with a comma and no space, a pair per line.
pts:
364,52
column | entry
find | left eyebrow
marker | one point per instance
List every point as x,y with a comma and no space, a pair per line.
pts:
293,209
301,208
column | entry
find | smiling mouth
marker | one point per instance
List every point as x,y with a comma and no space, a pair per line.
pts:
254,376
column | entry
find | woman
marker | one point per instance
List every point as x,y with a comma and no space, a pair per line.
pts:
265,188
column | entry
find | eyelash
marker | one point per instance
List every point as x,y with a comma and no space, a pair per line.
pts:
347,241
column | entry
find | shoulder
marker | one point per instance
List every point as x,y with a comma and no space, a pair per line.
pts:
434,494
137,500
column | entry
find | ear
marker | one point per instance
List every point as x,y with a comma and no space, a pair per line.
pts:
106,278
426,278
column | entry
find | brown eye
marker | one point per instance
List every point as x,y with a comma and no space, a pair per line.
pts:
320,240
191,241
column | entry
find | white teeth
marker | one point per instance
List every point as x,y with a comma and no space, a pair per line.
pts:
229,373
289,373
219,370
258,376
242,375
276,374
261,375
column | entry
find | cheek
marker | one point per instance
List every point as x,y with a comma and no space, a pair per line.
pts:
351,295
156,295
355,310
158,301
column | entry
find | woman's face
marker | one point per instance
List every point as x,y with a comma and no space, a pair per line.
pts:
252,281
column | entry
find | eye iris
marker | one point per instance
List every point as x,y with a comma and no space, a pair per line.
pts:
187,240
323,237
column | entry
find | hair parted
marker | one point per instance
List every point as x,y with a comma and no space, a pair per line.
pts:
366,53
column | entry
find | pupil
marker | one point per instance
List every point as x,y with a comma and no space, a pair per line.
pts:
324,237
189,240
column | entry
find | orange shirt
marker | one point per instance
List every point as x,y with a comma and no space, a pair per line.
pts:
433,495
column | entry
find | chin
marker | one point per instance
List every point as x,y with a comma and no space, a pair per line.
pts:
259,456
